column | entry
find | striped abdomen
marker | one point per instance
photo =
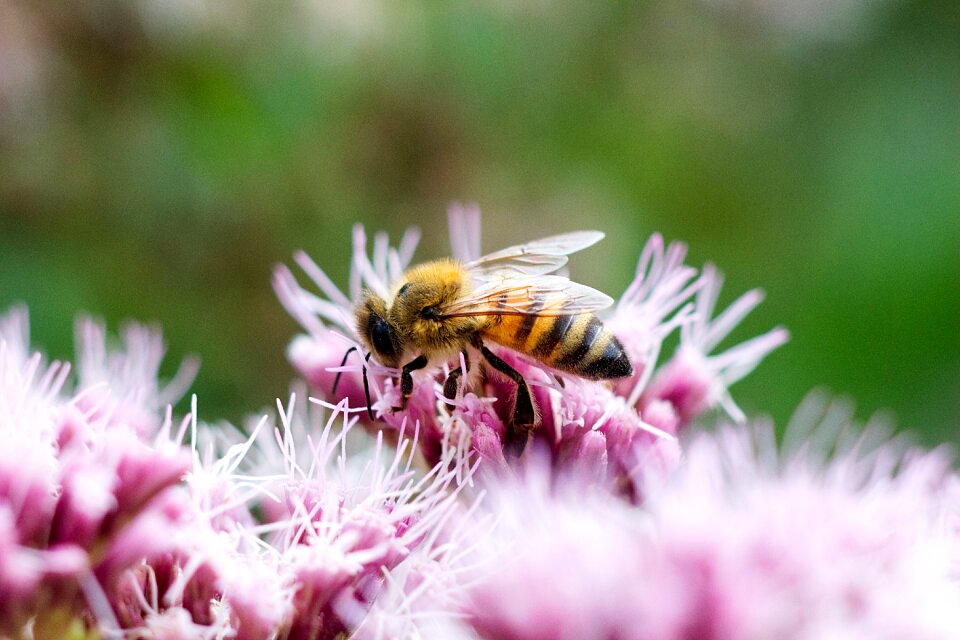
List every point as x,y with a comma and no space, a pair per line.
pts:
578,344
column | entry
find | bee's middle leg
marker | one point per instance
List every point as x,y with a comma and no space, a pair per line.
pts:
451,384
524,415
406,379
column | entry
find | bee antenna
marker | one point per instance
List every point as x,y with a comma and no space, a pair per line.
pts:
366,387
336,380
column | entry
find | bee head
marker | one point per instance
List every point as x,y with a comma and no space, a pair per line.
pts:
378,334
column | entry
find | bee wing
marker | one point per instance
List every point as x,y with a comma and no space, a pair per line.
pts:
521,296
533,258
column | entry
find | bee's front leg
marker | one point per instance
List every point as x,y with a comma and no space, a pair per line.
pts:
406,379
452,383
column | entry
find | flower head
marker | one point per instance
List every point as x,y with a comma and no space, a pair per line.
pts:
83,497
694,381
118,521
599,425
122,384
739,541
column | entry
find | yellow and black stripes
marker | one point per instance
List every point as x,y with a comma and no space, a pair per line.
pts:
528,321
579,344
575,357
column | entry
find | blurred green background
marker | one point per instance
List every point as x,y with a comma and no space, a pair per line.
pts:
158,157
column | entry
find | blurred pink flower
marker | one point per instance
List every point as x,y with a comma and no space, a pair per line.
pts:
122,385
82,496
740,541
565,560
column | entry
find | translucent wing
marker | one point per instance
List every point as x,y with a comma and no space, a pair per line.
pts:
533,258
521,296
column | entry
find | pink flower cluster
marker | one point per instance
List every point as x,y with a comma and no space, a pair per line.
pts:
622,519
611,430
83,497
739,542
107,521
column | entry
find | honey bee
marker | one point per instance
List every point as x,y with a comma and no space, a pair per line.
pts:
440,309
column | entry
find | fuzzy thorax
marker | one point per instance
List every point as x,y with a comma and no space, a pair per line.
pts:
418,297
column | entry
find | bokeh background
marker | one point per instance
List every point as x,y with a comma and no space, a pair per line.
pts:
158,157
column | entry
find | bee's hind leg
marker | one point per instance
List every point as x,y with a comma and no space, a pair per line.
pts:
524,415
406,379
452,383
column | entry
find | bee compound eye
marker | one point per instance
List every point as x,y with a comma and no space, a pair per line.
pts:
381,335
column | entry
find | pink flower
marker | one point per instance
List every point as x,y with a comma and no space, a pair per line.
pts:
694,381
82,496
739,541
651,308
28,485
605,423
31,391
563,561
478,418
809,548
256,589
122,385
26,572
117,521
423,597
334,523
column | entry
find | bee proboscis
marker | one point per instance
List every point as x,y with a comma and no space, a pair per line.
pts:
512,297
